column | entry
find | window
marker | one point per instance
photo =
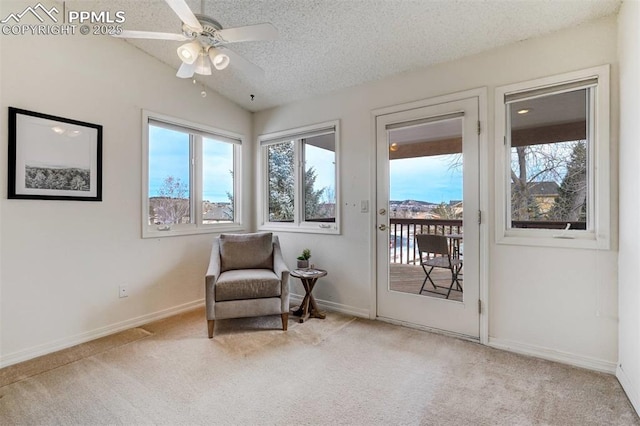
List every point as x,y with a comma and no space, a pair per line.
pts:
301,180
190,178
556,165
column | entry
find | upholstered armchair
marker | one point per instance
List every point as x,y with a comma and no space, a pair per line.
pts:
247,277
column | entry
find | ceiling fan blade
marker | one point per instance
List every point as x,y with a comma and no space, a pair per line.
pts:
186,70
152,35
181,8
256,32
239,62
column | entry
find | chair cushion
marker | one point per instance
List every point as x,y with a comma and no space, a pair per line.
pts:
247,284
246,251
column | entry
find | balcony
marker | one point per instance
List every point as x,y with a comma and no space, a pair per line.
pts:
406,274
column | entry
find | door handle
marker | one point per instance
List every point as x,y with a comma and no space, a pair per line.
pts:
382,227
382,212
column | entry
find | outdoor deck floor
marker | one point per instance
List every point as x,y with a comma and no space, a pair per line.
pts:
409,278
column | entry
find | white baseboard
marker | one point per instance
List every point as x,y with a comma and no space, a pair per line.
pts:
335,307
56,345
629,389
554,355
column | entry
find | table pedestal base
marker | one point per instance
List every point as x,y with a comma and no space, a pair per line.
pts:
308,308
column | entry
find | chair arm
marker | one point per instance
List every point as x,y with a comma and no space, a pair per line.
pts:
213,272
214,261
282,271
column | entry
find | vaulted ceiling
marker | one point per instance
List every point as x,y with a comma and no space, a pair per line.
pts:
326,45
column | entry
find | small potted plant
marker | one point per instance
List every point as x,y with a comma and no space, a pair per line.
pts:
303,259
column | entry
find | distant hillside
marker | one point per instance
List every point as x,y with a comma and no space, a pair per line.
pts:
409,203
415,209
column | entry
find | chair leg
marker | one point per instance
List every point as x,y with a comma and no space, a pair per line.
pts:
285,320
428,277
210,324
423,283
454,280
458,286
458,269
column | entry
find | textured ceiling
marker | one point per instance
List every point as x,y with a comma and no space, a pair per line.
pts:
326,45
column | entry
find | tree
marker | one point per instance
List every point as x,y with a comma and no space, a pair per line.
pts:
281,182
281,186
531,164
172,203
78,183
312,205
571,203
229,213
38,181
447,211
328,203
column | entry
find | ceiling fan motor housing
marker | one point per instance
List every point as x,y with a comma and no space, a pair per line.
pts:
208,36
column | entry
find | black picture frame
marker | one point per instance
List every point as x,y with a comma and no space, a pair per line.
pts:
53,158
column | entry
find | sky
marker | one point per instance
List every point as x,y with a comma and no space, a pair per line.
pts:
429,179
323,162
169,156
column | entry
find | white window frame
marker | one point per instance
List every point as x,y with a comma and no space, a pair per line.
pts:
598,233
298,224
155,231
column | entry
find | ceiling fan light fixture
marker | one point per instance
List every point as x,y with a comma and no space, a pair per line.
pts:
203,66
189,52
186,70
220,60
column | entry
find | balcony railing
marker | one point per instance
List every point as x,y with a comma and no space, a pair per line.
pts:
402,248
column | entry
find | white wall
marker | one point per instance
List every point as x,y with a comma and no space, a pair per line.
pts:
63,261
629,267
556,303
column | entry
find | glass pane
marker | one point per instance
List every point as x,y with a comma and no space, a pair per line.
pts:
217,182
426,197
281,181
169,176
320,178
549,161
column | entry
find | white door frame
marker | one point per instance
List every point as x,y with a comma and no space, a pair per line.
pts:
481,94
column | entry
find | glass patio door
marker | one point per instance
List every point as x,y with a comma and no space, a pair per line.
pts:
428,202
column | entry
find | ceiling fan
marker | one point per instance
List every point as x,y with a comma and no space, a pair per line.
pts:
206,42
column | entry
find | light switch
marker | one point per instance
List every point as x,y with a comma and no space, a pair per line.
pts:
364,206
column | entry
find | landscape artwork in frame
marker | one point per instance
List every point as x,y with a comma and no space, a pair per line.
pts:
53,158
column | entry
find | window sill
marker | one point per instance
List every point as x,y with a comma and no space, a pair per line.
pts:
324,228
154,232
554,238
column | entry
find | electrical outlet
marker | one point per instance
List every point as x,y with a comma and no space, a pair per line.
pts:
124,291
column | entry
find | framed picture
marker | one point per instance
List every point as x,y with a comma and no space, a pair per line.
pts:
53,158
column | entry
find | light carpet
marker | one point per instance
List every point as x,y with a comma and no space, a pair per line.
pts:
63,357
341,370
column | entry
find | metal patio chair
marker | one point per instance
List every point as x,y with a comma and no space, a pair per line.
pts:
434,252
